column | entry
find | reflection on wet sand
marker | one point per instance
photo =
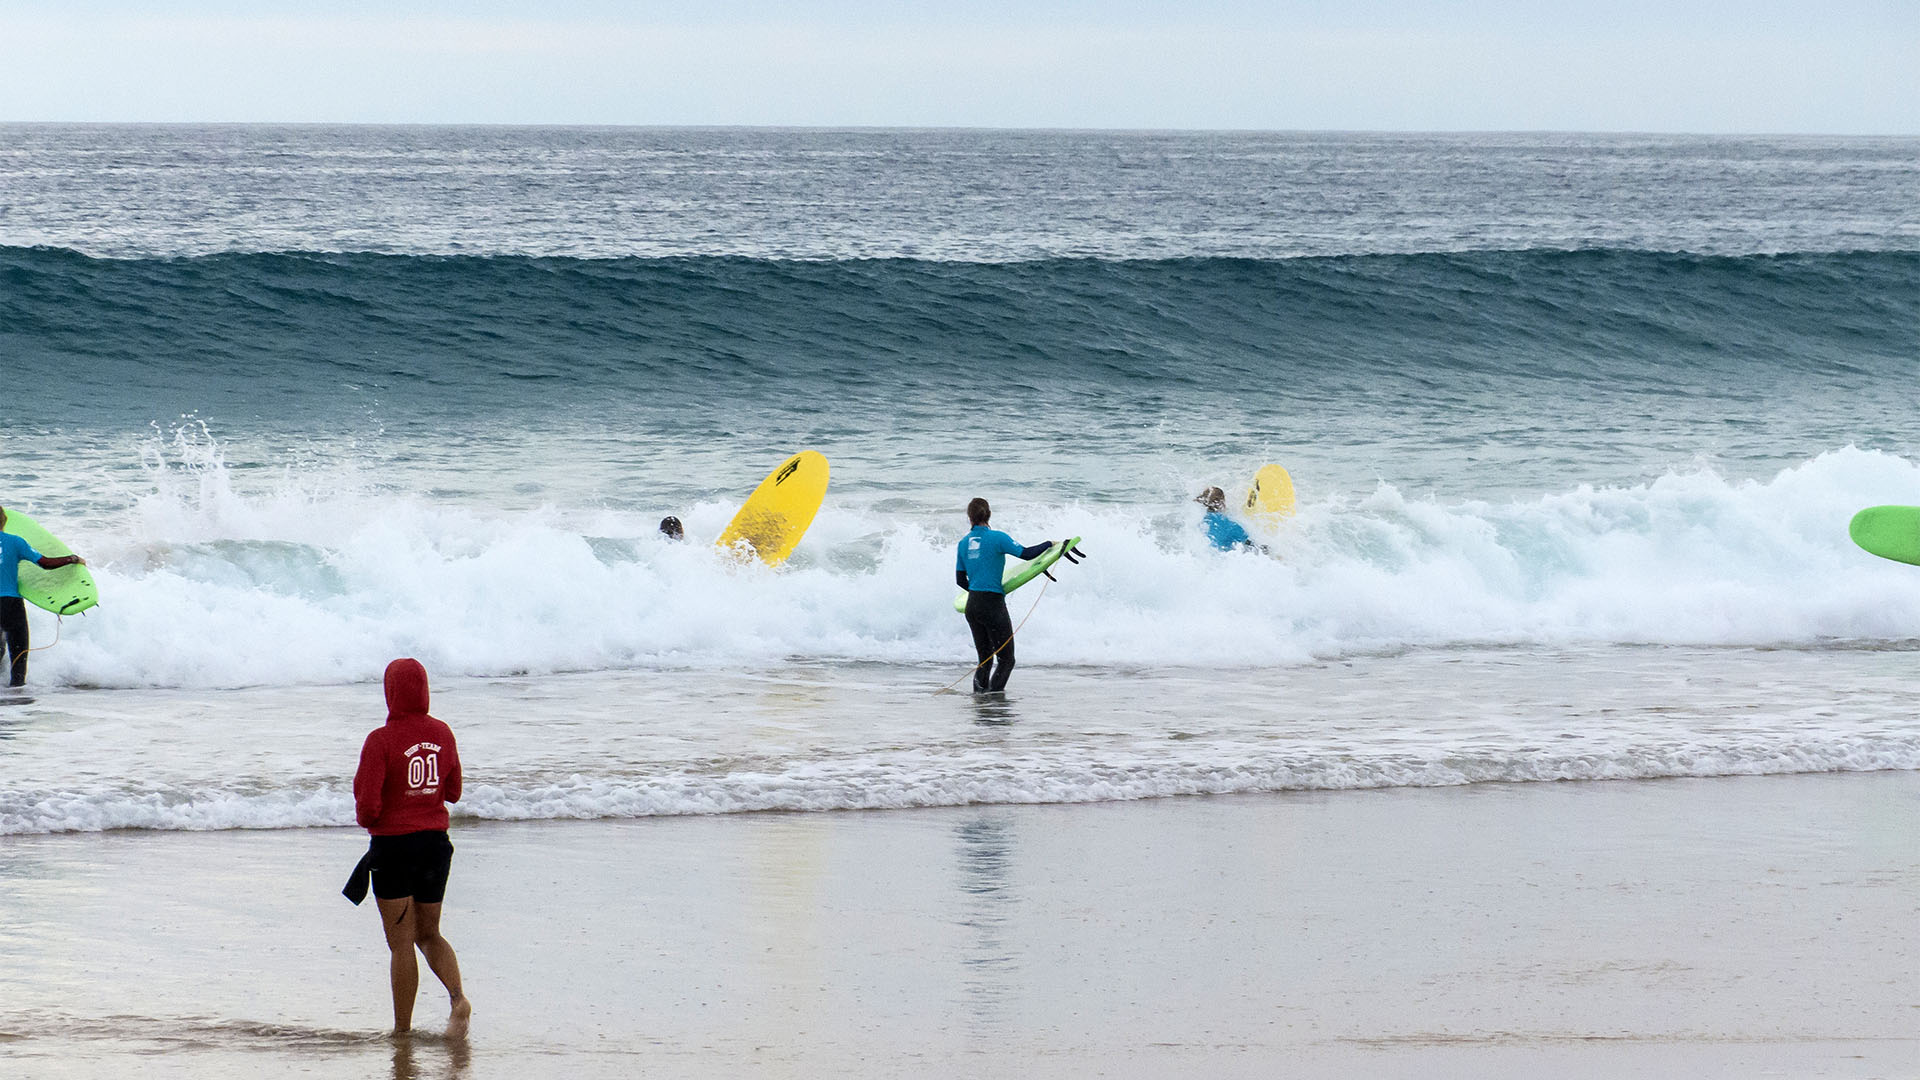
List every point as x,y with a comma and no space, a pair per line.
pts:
443,1058
984,852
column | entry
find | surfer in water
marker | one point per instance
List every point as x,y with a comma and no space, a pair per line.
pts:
1222,531
409,771
670,528
981,564
13,610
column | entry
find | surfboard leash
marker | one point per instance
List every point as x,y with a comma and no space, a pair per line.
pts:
948,689
58,620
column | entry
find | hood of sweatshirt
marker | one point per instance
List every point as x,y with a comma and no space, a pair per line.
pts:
406,689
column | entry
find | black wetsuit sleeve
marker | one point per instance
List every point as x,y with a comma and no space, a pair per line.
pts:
960,578
1035,551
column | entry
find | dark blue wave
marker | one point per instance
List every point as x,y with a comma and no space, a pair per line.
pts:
301,336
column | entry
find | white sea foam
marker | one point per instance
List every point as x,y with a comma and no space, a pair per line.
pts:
323,579
790,736
880,781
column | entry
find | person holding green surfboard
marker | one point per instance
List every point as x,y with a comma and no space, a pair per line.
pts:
13,611
981,563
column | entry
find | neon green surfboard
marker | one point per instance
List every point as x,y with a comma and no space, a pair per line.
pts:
1019,572
67,591
1891,532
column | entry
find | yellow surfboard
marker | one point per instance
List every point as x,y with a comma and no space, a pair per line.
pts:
1271,497
777,514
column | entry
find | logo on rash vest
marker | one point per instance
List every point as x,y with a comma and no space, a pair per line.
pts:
423,768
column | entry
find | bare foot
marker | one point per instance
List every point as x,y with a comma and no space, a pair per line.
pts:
457,1020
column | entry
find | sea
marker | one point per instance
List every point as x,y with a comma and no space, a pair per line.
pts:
1577,423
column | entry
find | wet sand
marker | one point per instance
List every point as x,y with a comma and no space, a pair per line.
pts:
1694,927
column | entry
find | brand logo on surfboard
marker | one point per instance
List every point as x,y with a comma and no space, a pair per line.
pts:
786,471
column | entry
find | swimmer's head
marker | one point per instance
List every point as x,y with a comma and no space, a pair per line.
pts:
1212,498
670,527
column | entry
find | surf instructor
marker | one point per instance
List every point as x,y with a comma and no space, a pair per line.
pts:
13,611
981,564
409,771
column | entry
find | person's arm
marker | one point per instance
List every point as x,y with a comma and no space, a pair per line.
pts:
1009,546
16,547
450,775
55,562
369,780
960,566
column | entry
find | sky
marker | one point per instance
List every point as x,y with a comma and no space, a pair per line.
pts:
1762,66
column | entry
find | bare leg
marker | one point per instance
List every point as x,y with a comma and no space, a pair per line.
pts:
446,967
399,919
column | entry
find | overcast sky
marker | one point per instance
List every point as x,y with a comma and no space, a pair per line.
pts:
1838,66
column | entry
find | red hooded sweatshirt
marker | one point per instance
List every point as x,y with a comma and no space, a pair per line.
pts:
409,769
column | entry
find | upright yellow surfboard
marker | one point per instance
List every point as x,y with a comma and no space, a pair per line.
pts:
777,514
1271,497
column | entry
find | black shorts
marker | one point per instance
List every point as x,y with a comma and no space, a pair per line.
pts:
412,864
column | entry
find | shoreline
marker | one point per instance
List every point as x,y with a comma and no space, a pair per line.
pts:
1688,926
810,737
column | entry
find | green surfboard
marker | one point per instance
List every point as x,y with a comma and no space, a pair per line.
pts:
1019,572
67,591
1891,532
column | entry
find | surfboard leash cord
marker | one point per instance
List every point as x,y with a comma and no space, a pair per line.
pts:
58,620
948,689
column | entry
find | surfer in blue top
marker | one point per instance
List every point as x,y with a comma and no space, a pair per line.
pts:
1222,531
13,612
979,567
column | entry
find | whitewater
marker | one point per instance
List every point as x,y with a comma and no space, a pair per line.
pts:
1666,628
1577,424
320,578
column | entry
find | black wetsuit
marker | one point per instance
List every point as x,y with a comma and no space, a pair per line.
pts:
13,626
987,611
992,630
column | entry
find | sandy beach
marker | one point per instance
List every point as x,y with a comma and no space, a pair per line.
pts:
1689,927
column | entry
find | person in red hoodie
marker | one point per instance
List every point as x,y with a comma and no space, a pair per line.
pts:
409,772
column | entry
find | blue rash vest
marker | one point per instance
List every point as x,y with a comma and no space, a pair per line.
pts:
983,558
1223,532
12,550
